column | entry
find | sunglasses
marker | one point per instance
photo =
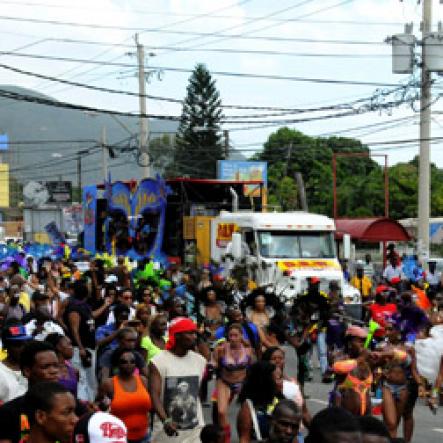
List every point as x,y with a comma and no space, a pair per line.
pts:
131,361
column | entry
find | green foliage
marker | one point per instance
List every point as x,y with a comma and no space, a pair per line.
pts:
197,151
360,180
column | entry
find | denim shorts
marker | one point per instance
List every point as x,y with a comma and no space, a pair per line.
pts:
395,389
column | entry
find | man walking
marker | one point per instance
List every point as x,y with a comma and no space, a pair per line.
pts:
175,376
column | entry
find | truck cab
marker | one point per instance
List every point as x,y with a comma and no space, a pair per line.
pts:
283,248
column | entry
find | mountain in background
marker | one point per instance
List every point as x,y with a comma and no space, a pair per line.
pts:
39,124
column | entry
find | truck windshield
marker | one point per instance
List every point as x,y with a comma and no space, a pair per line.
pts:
287,244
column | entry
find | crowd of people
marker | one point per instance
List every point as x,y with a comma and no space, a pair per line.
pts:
117,354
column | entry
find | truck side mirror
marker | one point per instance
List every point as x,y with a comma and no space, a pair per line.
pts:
236,245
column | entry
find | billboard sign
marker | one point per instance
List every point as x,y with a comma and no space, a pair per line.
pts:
244,171
59,191
38,194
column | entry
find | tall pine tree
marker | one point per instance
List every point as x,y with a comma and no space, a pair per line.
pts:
198,142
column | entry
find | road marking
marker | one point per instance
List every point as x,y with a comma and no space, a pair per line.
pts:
322,402
438,430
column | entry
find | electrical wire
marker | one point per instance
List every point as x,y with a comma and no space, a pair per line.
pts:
46,142
220,73
273,25
178,101
165,31
212,16
230,28
179,22
123,45
72,156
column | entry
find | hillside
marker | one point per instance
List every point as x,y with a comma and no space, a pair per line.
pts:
24,121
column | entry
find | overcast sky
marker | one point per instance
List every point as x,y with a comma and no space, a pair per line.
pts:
301,29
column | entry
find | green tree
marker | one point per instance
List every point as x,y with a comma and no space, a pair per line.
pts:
288,151
198,143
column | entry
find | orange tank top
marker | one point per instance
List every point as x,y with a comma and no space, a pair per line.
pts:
132,408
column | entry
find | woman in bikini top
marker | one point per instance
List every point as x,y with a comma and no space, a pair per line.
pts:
232,358
354,381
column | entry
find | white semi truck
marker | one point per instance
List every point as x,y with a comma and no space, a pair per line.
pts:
282,249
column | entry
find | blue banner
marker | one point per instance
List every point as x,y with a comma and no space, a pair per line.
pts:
90,213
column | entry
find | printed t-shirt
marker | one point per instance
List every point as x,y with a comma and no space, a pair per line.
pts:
181,378
12,383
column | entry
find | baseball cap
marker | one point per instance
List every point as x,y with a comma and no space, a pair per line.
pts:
100,427
15,333
314,280
382,288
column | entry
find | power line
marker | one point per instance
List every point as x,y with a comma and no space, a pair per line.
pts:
273,25
160,29
72,156
123,45
397,121
230,28
270,52
202,34
178,101
32,142
59,104
187,71
212,16
44,101
165,31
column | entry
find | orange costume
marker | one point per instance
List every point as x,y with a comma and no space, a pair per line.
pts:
132,408
422,300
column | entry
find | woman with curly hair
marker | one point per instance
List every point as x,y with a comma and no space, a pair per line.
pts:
258,397
259,312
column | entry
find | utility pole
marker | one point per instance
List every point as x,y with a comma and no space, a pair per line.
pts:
104,155
79,169
143,129
79,173
425,131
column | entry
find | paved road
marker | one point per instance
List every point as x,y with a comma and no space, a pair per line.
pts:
428,427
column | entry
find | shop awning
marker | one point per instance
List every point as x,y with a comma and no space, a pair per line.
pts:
380,229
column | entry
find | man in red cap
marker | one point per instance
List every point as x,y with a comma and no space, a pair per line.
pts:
175,376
